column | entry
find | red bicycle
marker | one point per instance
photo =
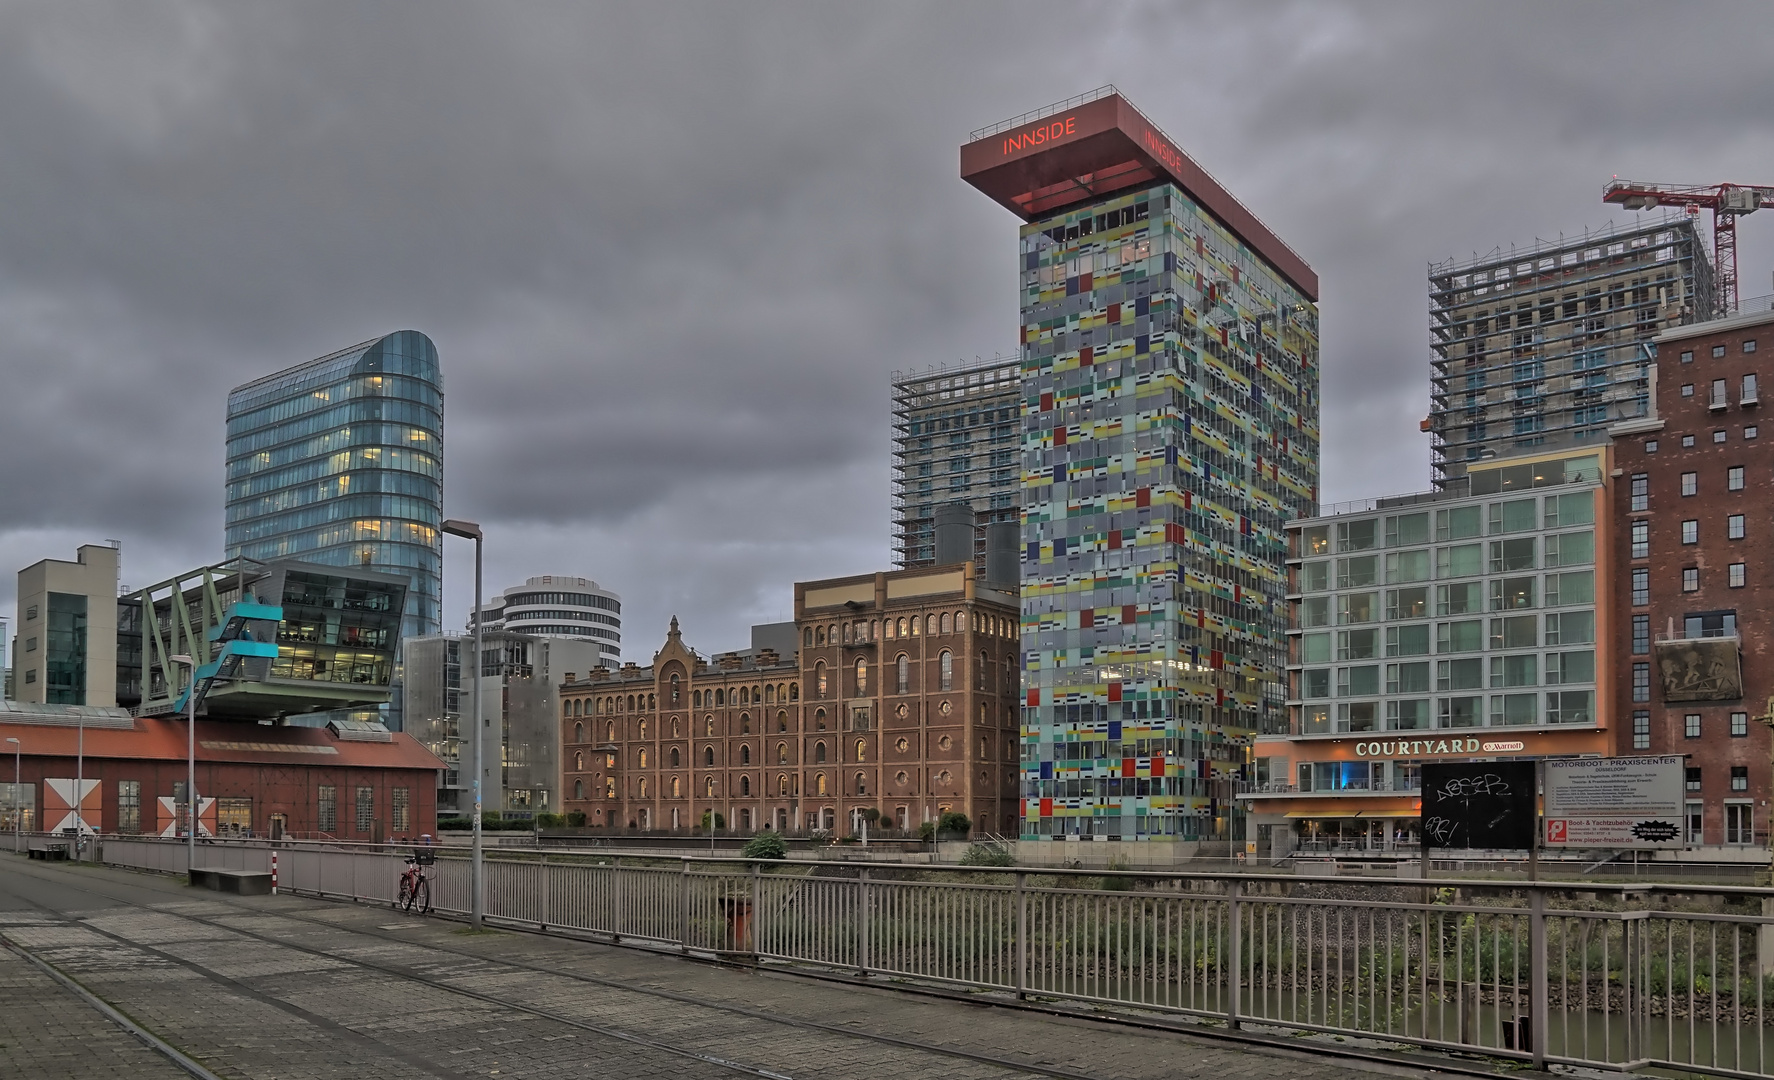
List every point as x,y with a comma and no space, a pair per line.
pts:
415,886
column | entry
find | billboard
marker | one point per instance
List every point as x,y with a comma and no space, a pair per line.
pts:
1478,804
1625,802
1700,669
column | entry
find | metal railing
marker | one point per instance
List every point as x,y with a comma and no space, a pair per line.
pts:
1622,977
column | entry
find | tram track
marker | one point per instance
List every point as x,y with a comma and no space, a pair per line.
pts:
1009,1065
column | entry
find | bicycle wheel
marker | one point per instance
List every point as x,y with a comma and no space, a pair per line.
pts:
405,900
421,897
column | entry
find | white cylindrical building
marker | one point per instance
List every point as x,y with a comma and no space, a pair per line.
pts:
558,605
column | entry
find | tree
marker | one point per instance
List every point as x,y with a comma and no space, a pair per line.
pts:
765,845
953,823
720,819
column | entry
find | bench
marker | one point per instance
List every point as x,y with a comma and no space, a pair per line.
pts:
51,850
244,882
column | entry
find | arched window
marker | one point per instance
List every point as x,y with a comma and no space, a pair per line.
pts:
807,638
794,691
745,755
960,621
945,622
566,709
983,744
847,638
578,789
861,784
930,624
696,699
642,785
862,750
631,703
819,753
652,702
708,726
874,630
644,728
578,761
745,695
578,706
674,688
831,633
720,697
946,670
903,671
677,787
609,732
745,785
822,635
862,676
781,720
782,753
643,757
708,755
819,679
890,628
578,732
674,727
979,673
900,625
674,757
819,784
782,783
745,723
819,719
914,626
708,787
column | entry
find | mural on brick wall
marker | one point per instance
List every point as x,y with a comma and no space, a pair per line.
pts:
1705,669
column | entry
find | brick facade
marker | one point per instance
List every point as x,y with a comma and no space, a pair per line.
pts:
1694,536
804,741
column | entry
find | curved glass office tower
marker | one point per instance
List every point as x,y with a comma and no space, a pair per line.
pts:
339,461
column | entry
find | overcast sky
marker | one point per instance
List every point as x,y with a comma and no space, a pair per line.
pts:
671,253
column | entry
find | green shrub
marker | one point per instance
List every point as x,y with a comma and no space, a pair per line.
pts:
720,820
987,855
953,824
765,845
453,824
927,831
576,819
549,821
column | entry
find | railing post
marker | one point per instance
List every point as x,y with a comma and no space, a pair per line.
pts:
862,922
1022,938
757,909
1538,979
683,905
1235,970
547,875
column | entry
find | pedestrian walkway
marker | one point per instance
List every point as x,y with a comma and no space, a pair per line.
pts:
284,988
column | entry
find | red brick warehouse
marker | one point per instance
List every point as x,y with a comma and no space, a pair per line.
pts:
1694,538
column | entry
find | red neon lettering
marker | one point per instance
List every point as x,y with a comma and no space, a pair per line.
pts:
1044,133
1164,151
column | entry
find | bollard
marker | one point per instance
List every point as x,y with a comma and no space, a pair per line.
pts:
273,873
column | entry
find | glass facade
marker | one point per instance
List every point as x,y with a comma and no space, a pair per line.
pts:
956,437
1547,346
1470,608
65,648
1170,430
340,462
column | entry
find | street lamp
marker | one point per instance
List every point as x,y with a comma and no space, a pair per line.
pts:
469,530
17,815
190,762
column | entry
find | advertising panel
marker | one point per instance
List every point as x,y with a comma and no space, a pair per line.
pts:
1631,802
1478,805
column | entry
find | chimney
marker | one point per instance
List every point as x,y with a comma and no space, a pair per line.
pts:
954,533
1003,564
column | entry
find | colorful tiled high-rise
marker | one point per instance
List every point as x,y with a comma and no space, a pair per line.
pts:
1170,427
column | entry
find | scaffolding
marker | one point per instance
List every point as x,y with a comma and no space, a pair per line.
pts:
1546,346
956,437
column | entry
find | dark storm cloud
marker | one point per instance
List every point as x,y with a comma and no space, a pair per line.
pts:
671,252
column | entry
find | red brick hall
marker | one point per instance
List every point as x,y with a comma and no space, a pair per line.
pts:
1694,537
252,779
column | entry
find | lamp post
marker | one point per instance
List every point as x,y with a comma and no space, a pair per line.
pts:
17,815
468,530
190,762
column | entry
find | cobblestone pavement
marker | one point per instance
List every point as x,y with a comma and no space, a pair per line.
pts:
287,988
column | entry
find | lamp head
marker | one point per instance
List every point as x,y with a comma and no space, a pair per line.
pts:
182,658
12,740
457,527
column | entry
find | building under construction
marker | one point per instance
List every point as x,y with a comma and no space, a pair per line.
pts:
1547,346
955,439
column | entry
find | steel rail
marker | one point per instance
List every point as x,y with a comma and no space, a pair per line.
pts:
1008,1064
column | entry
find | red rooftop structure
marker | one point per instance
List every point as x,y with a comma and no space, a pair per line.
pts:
1089,148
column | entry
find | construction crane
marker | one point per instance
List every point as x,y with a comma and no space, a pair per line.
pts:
1727,202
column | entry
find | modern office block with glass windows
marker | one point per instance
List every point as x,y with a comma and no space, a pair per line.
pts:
1459,624
1170,430
339,461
